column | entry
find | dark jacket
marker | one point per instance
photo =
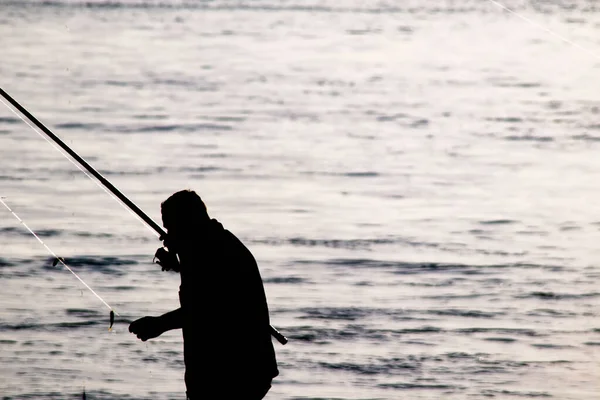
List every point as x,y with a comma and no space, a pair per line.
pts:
226,330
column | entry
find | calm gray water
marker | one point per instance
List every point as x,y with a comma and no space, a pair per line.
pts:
418,181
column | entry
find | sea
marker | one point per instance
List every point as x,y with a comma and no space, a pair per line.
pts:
417,179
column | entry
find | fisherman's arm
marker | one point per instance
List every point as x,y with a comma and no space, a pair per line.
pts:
150,327
172,320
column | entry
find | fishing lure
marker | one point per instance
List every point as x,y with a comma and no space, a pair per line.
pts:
112,320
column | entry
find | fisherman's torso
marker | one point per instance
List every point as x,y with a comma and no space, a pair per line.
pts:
226,320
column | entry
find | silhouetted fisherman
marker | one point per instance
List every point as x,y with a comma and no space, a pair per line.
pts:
227,345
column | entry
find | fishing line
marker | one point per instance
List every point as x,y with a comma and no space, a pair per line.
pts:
79,167
55,256
542,27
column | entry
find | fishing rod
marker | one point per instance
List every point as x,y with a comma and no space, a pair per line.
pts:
85,164
105,183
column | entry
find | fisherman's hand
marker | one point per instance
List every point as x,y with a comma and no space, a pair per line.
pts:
147,328
167,260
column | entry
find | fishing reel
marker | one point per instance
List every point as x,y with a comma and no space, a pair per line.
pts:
167,260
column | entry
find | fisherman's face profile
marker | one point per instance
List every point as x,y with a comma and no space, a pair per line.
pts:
173,224
183,213
168,223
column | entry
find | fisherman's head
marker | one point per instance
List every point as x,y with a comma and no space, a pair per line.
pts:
184,212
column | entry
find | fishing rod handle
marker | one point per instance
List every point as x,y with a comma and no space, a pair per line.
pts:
277,335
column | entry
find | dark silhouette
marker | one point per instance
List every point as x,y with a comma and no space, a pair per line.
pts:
224,315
